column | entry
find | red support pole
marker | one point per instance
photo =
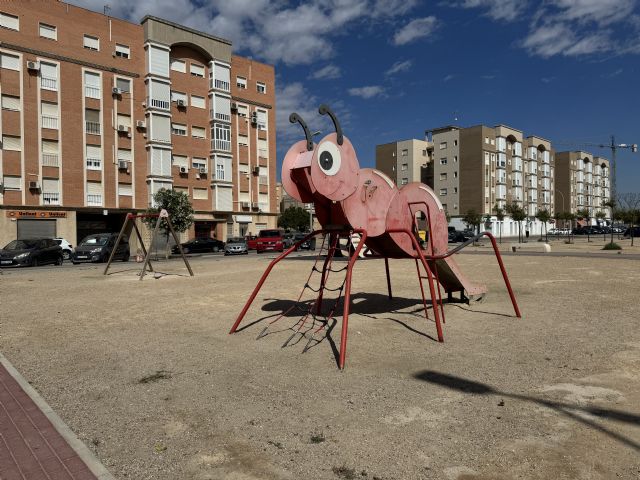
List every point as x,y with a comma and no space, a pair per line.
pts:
386,267
264,277
347,299
504,273
424,300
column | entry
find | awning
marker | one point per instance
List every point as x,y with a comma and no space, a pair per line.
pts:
243,218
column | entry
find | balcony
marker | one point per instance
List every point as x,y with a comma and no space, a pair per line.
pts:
51,198
94,200
222,85
92,128
92,92
50,160
48,83
222,145
155,103
94,164
49,122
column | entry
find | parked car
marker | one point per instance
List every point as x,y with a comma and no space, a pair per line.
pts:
200,245
67,248
628,232
270,240
288,239
458,235
98,247
309,244
252,241
236,246
31,252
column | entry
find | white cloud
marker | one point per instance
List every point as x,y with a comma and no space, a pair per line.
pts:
449,77
328,72
399,67
295,98
508,10
416,29
366,92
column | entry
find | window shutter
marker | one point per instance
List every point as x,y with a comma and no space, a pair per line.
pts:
227,168
48,70
123,84
178,65
197,70
49,147
92,42
200,194
198,132
125,189
175,96
223,105
123,49
50,185
10,103
161,128
197,101
225,200
49,109
92,115
222,73
9,21
124,120
124,154
91,79
180,161
160,161
262,118
94,151
160,91
158,61
94,188
10,62
11,143
13,183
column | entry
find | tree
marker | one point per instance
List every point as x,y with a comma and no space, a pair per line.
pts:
585,214
500,217
294,218
518,214
178,206
611,205
473,219
544,216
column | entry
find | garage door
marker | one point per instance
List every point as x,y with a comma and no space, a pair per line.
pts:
36,228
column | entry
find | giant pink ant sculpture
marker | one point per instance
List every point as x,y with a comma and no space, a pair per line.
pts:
349,199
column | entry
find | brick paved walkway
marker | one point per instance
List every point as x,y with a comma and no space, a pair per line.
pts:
30,446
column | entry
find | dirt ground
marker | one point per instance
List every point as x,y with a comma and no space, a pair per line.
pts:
147,376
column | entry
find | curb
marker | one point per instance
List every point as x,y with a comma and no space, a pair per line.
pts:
86,455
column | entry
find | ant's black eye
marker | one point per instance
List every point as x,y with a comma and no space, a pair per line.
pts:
326,160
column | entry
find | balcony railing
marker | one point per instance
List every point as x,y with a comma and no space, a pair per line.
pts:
49,159
49,122
222,85
50,198
223,145
93,128
95,200
48,83
155,103
225,117
91,91
94,164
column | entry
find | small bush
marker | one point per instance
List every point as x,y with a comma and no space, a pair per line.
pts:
317,437
612,246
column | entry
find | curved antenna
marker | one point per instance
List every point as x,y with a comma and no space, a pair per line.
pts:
325,110
293,118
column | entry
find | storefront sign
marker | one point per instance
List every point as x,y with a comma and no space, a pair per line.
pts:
35,214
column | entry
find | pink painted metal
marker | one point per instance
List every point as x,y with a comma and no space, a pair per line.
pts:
350,200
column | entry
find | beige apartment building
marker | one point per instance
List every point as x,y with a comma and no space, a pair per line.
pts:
98,114
404,161
582,182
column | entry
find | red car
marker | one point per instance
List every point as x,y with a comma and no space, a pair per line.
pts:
270,240
252,241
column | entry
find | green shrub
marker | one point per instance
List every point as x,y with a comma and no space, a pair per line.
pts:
612,246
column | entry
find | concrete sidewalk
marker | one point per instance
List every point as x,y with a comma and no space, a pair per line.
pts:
34,442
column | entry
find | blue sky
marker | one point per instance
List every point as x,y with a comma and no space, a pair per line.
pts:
565,70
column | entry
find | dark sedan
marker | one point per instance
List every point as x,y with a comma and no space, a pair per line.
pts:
98,247
200,245
309,244
31,252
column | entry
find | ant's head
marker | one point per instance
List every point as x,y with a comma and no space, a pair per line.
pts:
334,164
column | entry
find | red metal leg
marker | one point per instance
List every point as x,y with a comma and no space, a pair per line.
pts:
504,274
424,300
347,299
264,277
386,266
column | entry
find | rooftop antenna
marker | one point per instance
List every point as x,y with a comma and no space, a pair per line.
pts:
105,9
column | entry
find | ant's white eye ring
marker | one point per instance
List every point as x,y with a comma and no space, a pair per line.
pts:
329,158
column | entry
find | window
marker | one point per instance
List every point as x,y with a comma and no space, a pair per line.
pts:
243,111
91,43
455,143
443,191
443,161
10,62
124,120
94,193
443,145
261,87
241,82
404,166
178,65
160,128
49,112
486,140
125,189
455,174
180,161
12,183
222,108
455,189
124,154
10,103
48,76
9,21
262,119
179,129
122,51
12,143
198,132
199,163
243,140
405,152
405,181
200,193
455,159
92,121
160,162
221,77
92,85
94,157
221,137
48,31
50,153
123,84
196,70
197,101
178,96
443,176
219,171
159,95
158,61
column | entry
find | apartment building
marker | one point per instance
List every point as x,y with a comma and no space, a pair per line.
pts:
98,114
582,182
404,161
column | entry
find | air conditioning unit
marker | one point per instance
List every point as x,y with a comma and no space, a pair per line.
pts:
254,118
116,91
254,205
123,128
203,171
245,204
181,103
141,124
184,170
256,170
123,164
35,66
234,106
34,185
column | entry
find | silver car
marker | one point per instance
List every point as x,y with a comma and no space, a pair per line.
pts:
236,246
